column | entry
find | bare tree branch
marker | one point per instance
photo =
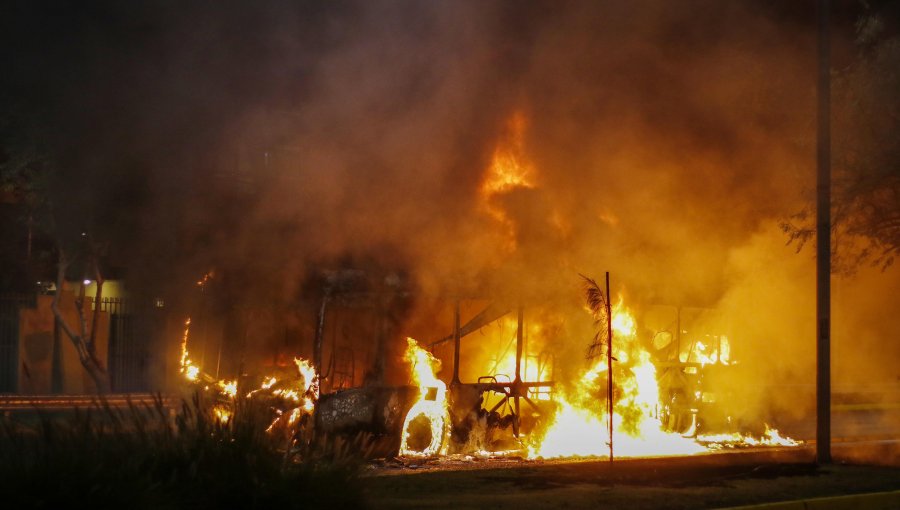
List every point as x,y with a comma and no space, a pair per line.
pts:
86,352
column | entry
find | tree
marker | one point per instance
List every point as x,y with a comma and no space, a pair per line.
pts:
25,169
85,337
866,182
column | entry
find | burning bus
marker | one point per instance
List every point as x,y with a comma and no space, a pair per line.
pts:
504,383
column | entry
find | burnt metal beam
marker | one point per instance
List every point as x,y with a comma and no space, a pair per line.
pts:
520,337
506,398
320,334
511,387
490,313
456,341
519,343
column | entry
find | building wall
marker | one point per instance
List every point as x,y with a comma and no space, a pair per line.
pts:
49,363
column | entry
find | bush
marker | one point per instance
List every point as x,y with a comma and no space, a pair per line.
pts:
157,457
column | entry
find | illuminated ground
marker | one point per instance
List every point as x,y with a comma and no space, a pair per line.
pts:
705,481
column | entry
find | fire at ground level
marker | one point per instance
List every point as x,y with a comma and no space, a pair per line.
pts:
667,400
865,433
662,399
659,389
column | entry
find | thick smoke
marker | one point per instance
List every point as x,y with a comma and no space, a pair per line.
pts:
666,141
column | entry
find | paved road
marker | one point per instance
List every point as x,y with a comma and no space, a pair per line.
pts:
703,481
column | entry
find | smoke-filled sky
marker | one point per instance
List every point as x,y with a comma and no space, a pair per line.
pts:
662,141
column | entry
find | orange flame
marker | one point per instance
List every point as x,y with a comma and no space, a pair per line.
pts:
508,168
432,403
579,427
190,371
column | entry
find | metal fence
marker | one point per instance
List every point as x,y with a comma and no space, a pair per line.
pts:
134,346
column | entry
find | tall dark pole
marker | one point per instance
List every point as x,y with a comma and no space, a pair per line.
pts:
519,342
518,382
609,372
823,243
320,335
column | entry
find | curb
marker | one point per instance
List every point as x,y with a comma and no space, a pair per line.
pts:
871,501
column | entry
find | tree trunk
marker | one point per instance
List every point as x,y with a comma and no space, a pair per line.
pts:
86,352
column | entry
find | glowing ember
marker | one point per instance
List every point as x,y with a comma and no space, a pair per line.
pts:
295,414
222,414
287,394
206,278
228,387
192,372
431,406
267,384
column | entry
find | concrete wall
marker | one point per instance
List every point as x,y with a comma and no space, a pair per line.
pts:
49,363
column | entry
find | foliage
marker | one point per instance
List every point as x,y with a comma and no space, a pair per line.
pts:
154,457
26,169
597,304
866,157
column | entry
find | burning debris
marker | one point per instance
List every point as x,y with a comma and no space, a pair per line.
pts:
292,396
771,437
425,426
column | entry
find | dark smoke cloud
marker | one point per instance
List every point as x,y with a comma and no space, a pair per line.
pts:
266,139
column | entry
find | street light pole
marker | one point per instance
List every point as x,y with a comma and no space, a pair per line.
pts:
823,241
609,367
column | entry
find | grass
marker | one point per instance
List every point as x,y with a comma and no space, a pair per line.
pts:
156,457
